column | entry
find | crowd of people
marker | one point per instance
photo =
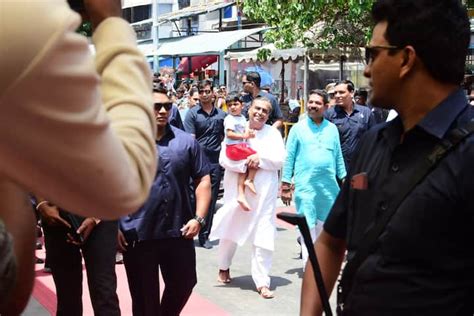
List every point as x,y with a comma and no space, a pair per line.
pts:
131,164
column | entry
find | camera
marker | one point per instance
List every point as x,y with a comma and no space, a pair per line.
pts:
77,5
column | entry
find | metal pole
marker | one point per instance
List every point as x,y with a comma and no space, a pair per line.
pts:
305,83
300,221
155,35
221,68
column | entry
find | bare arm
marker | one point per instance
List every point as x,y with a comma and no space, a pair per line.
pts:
203,199
330,253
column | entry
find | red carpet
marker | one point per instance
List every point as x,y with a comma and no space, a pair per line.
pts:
44,293
44,289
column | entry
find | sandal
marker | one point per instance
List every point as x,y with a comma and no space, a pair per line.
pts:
265,292
224,276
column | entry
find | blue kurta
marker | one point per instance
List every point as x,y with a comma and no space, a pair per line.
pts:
314,159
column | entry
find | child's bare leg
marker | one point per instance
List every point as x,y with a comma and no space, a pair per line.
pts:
241,197
249,181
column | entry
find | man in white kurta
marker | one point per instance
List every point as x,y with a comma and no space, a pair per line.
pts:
234,226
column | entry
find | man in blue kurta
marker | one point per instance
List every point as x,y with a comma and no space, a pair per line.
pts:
314,160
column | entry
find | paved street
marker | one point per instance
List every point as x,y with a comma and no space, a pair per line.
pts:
211,298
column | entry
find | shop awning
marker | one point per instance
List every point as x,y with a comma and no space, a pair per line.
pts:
293,54
204,44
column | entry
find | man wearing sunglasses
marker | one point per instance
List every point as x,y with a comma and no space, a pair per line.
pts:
421,260
206,123
160,234
251,86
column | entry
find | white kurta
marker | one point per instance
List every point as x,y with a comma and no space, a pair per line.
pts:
257,225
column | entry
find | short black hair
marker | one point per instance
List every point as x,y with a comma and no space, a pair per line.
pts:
192,91
439,31
203,83
361,93
350,84
254,77
233,96
323,94
160,87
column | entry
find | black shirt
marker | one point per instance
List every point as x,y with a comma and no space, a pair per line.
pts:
424,261
351,127
208,129
169,205
276,111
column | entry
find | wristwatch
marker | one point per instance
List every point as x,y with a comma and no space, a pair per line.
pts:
200,220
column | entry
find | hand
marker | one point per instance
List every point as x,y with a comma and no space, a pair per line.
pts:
249,133
84,230
191,229
121,242
286,195
253,161
50,215
99,10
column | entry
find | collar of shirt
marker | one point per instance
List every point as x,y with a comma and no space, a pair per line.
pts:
340,110
438,120
213,111
169,134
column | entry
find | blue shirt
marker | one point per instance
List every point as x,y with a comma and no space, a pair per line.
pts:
423,263
175,118
276,111
351,127
314,160
208,129
169,205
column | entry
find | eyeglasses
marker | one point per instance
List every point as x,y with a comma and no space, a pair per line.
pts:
372,51
205,91
166,105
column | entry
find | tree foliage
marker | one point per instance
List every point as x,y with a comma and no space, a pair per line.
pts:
324,24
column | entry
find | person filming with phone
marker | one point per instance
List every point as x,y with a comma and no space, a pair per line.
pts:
75,129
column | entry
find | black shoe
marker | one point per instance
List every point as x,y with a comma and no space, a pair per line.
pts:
206,245
39,260
47,270
39,245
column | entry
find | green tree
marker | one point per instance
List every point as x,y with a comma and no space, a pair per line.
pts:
323,24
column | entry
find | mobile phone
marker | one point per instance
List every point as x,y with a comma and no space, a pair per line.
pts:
77,5
75,222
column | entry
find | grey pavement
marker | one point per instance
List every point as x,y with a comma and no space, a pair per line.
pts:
240,297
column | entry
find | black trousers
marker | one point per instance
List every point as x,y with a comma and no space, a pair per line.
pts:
216,175
65,261
176,258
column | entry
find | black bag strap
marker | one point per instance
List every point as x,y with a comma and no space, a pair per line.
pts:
369,240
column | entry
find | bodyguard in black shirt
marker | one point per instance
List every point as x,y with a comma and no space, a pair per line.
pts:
206,123
423,261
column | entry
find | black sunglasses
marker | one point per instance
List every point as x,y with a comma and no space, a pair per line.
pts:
166,105
372,51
